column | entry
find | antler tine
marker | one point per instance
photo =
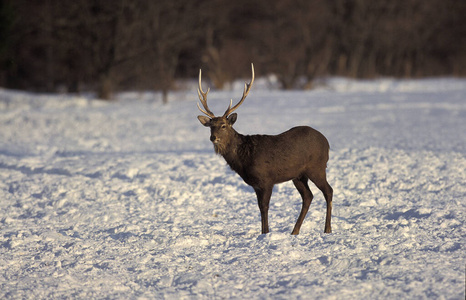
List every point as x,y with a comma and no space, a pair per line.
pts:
203,98
247,88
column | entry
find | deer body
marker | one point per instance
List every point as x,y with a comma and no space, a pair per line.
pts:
299,154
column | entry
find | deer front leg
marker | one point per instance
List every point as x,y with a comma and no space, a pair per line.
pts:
263,199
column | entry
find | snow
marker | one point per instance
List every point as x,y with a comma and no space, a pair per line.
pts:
127,200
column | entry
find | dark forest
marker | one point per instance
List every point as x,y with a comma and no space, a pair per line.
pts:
106,46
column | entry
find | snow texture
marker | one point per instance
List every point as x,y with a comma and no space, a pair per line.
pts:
127,200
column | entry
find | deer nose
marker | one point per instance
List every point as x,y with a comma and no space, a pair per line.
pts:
213,138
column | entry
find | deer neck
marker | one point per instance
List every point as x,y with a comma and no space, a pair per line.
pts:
237,152
228,148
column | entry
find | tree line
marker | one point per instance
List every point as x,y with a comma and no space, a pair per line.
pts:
47,45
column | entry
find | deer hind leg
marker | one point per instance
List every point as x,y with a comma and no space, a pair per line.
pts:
320,181
306,194
263,199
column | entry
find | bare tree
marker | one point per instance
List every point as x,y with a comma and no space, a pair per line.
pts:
171,27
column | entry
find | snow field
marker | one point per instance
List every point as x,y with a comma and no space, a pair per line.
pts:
128,200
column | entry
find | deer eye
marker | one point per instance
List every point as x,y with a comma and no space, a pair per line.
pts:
223,126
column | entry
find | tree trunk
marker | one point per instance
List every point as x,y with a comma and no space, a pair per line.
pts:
105,89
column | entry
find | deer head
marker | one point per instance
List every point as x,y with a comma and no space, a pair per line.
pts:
221,130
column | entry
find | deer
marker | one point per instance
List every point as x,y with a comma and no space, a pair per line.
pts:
299,154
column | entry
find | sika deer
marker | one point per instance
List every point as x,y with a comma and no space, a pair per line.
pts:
298,154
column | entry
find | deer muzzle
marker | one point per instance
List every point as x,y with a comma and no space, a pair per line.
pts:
213,139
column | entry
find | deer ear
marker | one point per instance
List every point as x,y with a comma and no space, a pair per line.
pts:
204,120
232,118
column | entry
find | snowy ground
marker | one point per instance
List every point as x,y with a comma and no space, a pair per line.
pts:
127,199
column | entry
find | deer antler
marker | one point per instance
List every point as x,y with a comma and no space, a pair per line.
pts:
203,98
247,88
